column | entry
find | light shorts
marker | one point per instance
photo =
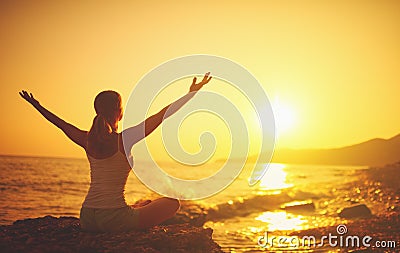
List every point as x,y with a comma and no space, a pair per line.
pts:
109,220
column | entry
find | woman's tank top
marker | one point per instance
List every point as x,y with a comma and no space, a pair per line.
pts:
108,177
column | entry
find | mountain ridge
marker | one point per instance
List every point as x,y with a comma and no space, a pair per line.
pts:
373,152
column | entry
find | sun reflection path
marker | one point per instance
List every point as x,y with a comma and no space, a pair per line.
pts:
274,178
281,221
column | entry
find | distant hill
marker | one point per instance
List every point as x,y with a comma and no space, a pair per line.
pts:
374,152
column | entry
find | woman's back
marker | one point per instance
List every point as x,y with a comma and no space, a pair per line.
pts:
108,177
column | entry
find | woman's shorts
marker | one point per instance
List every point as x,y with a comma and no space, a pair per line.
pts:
109,220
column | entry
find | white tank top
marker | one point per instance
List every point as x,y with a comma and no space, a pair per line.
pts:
108,177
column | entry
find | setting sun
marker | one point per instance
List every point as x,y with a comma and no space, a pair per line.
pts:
285,117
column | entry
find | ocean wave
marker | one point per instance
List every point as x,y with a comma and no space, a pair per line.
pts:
256,204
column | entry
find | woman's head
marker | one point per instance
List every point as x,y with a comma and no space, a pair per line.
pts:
108,105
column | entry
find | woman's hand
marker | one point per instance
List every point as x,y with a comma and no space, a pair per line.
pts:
28,97
197,86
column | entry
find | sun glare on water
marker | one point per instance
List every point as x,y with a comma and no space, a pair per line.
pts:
281,220
274,178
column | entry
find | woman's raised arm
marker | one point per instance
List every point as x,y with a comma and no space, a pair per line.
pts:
75,134
140,131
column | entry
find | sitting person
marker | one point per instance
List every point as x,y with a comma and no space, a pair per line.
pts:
104,208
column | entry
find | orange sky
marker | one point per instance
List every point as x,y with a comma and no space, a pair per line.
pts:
333,63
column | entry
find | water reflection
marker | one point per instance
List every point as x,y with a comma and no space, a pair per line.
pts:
281,220
274,178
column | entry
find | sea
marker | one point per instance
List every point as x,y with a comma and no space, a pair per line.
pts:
288,198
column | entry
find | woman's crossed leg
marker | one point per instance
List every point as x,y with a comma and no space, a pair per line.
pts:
157,211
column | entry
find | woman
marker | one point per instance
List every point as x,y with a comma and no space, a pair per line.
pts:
104,208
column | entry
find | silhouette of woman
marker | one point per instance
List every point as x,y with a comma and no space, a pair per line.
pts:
104,208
